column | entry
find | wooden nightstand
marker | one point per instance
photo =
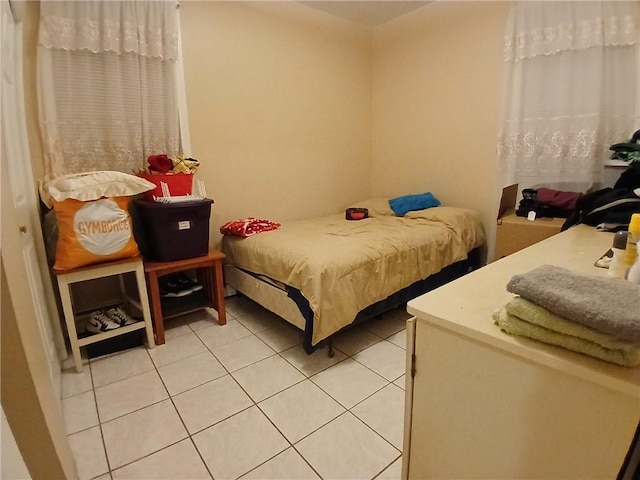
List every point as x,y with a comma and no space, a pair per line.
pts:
209,272
515,233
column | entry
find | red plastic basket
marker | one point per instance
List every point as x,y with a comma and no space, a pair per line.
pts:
178,183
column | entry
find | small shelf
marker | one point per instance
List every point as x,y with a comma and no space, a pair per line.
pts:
175,306
88,339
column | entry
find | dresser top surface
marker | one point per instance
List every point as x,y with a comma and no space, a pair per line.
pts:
465,306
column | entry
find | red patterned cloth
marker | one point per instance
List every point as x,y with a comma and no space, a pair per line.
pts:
248,226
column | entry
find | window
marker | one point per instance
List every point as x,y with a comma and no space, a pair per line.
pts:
107,84
571,89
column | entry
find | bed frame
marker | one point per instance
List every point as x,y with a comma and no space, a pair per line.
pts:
289,303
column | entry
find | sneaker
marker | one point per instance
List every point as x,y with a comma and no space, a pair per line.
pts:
188,284
99,322
116,314
169,287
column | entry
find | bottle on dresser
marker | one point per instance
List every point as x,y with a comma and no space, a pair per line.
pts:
618,267
634,271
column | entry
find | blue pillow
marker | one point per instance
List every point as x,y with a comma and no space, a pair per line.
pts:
408,203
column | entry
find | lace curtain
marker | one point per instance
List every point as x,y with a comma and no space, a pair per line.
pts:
107,84
572,81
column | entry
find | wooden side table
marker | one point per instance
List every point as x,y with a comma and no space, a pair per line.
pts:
209,272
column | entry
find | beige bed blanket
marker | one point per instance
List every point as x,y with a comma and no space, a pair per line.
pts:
343,266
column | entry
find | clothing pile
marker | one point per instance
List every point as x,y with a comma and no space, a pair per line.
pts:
627,151
165,164
546,202
609,209
596,316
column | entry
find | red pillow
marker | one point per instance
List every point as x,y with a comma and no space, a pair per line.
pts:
248,226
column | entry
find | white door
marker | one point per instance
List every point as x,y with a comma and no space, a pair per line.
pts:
16,152
12,466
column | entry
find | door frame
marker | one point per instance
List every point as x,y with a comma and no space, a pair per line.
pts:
29,399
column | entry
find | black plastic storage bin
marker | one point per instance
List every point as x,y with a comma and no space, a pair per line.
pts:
172,231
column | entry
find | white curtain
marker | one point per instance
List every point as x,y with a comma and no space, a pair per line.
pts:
571,90
107,84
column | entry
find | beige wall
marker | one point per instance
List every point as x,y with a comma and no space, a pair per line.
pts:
31,20
279,100
436,84
296,113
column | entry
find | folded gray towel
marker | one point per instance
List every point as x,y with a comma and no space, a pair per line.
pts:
608,305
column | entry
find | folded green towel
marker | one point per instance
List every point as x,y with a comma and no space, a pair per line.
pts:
609,305
532,313
539,324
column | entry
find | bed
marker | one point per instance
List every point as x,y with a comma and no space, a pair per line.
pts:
323,274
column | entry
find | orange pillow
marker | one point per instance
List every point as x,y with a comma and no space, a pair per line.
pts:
93,232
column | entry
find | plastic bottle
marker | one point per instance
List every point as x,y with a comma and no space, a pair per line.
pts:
631,251
618,267
634,271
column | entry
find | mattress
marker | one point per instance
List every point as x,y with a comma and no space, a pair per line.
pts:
341,267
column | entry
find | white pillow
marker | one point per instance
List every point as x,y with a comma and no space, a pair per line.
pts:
89,186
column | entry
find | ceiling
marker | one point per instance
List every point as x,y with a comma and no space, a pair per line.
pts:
370,13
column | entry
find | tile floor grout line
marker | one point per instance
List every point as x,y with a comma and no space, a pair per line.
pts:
195,447
254,404
104,443
101,422
180,359
297,383
137,409
315,470
377,475
360,401
217,422
155,367
389,382
114,355
293,444
123,379
375,431
199,385
279,391
267,460
306,435
321,370
306,376
146,455
169,397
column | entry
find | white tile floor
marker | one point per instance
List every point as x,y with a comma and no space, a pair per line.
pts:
242,401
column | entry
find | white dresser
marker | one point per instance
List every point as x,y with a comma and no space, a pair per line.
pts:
485,405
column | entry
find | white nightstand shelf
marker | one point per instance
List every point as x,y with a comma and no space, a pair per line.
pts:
68,277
